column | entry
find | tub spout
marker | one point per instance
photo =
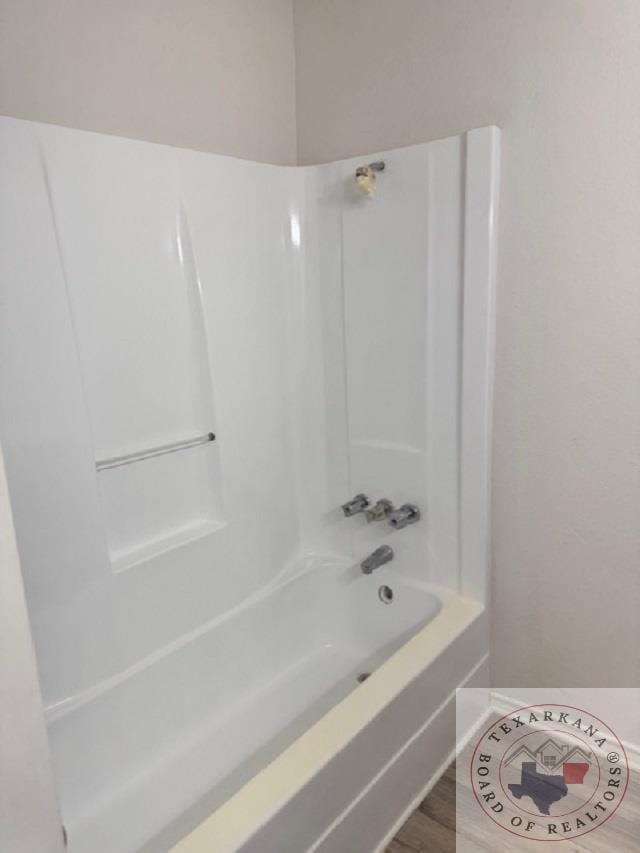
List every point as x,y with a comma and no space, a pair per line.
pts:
382,555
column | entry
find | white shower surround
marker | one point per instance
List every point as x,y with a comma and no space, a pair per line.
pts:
334,344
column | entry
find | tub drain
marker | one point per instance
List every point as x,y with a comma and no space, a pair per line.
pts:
363,677
385,594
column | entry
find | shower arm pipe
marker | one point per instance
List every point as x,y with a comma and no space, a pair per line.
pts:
150,453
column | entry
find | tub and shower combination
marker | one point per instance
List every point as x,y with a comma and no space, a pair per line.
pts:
202,360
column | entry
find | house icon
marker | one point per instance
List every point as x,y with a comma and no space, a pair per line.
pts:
550,756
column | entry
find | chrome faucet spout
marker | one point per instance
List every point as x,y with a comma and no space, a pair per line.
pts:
382,555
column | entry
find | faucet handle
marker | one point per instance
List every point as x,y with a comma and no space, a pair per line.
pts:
357,504
407,514
380,510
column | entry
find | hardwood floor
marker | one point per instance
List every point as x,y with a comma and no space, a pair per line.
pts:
432,827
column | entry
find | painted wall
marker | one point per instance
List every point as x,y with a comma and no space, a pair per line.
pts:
561,79
215,75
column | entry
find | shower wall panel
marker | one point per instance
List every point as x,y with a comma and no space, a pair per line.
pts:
397,261
136,307
145,296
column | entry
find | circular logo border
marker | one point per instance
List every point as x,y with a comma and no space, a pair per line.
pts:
548,705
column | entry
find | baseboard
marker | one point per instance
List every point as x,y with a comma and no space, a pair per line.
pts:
502,704
633,754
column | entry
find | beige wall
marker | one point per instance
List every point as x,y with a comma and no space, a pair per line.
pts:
561,77
216,75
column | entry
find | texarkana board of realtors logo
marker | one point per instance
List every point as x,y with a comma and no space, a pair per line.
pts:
549,772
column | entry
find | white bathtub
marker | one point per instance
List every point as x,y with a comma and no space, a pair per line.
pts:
142,759
349,780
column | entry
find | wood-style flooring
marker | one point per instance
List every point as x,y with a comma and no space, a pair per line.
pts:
432,827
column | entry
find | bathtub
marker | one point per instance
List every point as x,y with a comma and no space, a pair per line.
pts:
325,694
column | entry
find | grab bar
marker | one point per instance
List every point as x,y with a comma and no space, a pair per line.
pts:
162,450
